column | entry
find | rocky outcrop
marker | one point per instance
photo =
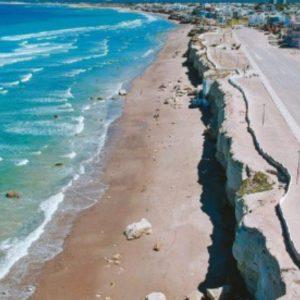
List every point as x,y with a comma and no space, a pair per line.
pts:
259,248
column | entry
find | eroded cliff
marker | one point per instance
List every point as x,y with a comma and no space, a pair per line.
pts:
253,184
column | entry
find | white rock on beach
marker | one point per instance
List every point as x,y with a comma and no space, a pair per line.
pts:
156,296
136,230
122,92
195,295
220,293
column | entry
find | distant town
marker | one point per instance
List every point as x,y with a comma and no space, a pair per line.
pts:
279,18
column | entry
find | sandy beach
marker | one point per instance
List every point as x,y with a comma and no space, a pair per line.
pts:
153,156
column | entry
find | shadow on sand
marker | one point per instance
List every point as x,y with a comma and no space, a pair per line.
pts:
222,267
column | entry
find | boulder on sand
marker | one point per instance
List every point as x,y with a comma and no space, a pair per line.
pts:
122,92
195,295
136,230
156,296
221,293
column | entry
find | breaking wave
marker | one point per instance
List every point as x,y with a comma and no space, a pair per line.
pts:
72,31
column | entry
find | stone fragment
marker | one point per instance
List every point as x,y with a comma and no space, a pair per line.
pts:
195,295
157,247
156,296
122,92
220,293
156,116
117,256
136,230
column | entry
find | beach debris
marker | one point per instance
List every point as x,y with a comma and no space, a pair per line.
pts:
55,116
115,259
156,116
12,194
157,247
112,284
122,92
220,293
166,101
156,296
98,295
136,230
162,87
107,298
195,295
100,98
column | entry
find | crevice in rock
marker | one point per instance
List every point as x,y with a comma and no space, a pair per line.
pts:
222,268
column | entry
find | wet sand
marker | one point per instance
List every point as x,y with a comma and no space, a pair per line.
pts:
151,171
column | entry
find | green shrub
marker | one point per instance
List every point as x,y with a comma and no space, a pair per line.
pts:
255,184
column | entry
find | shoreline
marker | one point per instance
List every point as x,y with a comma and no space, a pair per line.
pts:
62,271
69,191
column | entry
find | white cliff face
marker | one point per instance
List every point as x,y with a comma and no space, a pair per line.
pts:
259,248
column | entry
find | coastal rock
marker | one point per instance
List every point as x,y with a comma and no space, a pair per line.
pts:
156,296
122,92
12,194
136,230
195,295
220,293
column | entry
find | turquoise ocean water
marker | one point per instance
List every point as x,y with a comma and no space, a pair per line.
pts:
55,62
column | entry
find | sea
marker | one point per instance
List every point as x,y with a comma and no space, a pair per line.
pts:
61,68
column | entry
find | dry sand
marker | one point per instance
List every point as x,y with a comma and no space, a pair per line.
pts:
152,171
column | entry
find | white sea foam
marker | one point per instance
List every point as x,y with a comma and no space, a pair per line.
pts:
22,162
72,31
47,110
43,128
87,107
81,169
70,155
29,52
80,125
150,17
74,72
11,84
35,70
39,152
74,60
1,158
69,93
16,248
101,47
66,106
46,100
26,77
148,53
3,92
11,60
36,49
